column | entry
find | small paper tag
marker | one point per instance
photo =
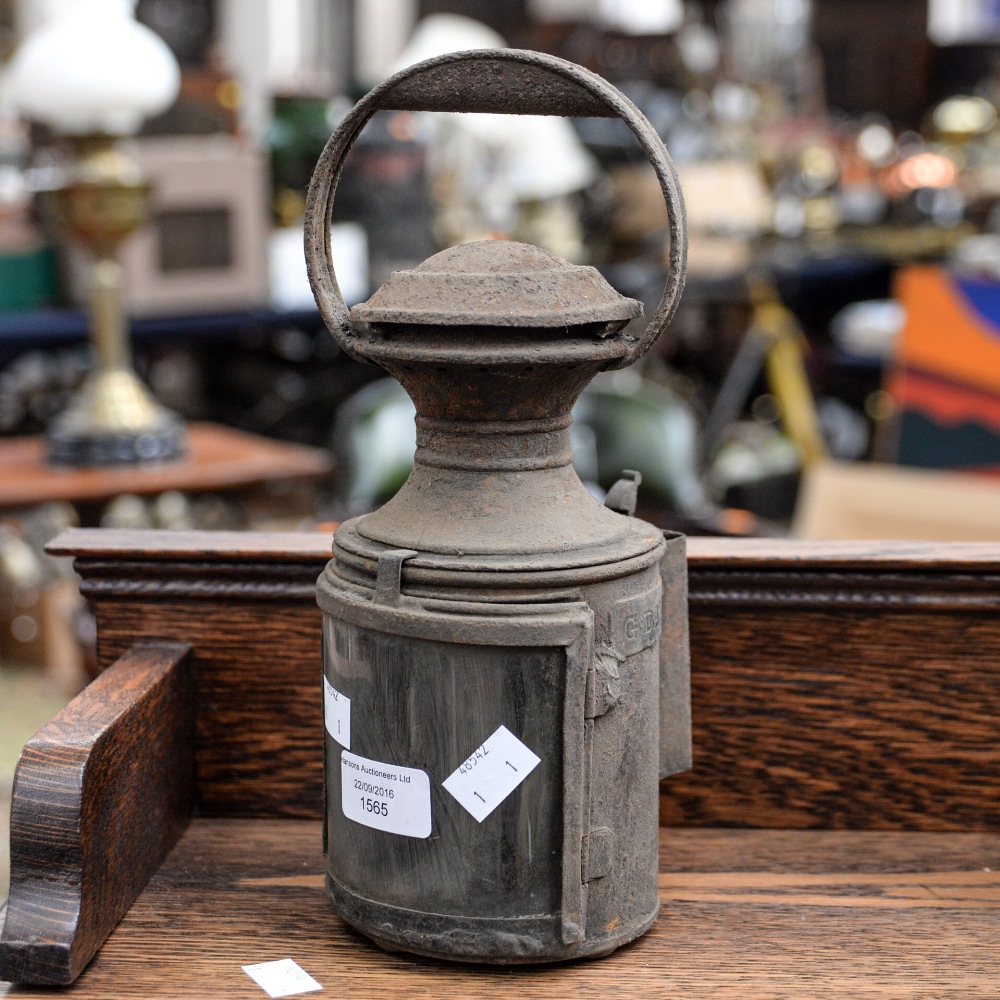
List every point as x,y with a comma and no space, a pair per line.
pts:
337,712
385,796
282,979
491,773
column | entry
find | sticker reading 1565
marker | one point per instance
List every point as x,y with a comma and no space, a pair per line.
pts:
385,796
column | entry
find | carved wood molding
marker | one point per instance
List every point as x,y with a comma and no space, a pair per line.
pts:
722,572
897,576
241,581
196,564
831,590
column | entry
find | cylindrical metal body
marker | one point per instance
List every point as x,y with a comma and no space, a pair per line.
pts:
566,864
492,635
568,663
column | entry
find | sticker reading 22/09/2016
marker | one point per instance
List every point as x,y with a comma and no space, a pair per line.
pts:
385,796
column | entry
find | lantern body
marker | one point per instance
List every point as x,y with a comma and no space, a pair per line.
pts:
492,635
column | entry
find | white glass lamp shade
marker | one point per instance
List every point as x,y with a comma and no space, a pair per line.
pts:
91,67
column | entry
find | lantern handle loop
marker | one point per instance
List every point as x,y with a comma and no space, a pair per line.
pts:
504,81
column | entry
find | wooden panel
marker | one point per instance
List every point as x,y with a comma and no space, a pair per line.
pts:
745,914
843,685
849,685
100,796
258,710
246,604
842,719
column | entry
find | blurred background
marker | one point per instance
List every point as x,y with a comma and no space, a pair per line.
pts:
833,370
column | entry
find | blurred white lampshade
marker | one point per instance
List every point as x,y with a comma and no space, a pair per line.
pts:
92,68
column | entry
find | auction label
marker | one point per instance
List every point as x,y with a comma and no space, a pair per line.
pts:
385,796
282,979
491,772
337,712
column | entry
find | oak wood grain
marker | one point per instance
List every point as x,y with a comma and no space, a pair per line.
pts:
839,685
257,702
100,796
245,602
851,718
746,913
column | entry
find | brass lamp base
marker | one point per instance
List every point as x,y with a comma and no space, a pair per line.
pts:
114,421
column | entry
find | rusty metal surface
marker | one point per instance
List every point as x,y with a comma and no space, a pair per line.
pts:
494,409
494,590
493,82
512,81
675,661
496,283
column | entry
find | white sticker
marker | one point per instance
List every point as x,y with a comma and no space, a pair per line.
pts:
385,796
337,712
282,979
491,773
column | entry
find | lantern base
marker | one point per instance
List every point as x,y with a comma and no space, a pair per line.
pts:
480,940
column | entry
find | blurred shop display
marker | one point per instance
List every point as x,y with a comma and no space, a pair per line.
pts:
386,190
210,96
620,418
260,479
205,247
91,73
829,151
944,377
490,175
41,611
296,136
952,22
767,42
639,17
27,261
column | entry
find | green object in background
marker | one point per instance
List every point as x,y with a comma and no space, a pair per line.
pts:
374,438
27,279
621,422
296,137
640,425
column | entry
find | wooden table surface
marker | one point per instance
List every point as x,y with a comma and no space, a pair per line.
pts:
746,913
219,458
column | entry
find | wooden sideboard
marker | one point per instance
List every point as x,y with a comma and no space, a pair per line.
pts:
839,834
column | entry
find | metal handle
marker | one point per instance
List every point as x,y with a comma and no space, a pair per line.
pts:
504,81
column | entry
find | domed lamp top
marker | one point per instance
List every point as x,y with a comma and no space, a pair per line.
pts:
496,283
92,68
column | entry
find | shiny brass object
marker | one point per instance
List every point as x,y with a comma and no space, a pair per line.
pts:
505,658
113,419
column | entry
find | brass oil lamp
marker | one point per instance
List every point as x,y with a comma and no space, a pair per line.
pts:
505,659
113,419
91,73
